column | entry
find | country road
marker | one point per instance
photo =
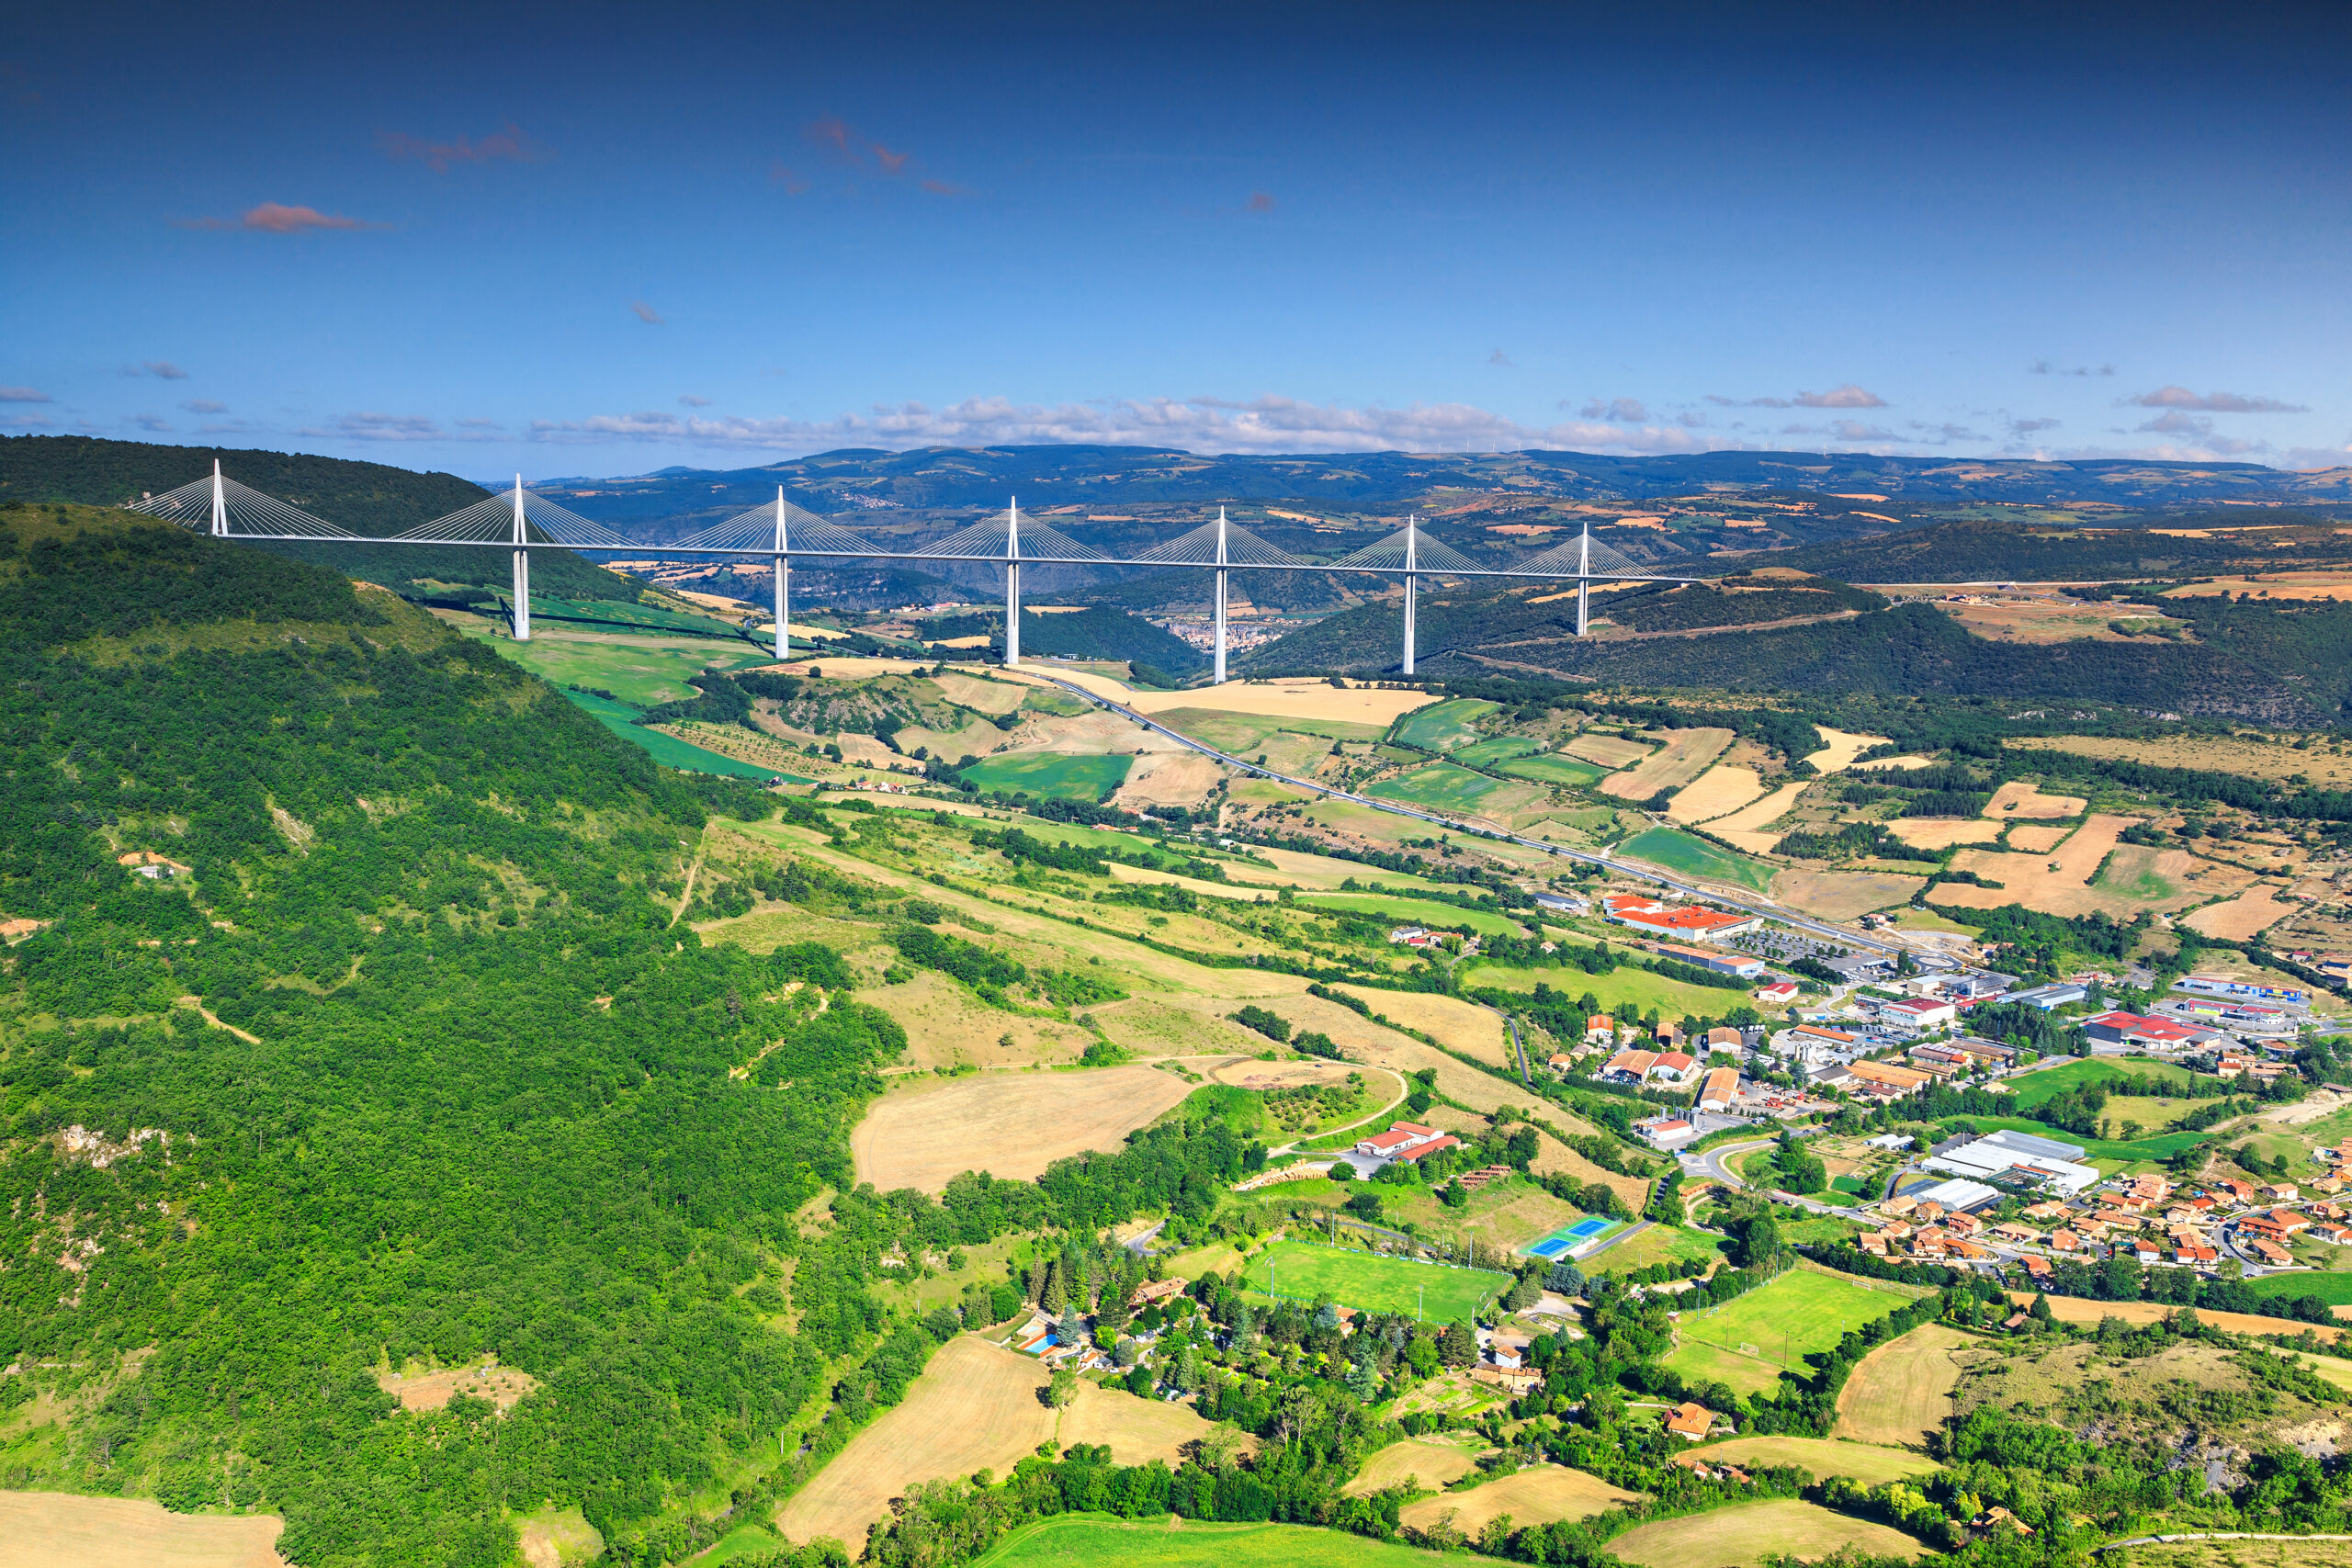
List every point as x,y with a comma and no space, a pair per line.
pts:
1639,871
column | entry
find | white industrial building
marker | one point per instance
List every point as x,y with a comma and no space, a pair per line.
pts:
2051,1162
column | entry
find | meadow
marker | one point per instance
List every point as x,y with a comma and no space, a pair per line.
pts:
1902,1390
1088,1540
1050,775
664,749
640,668
1869,1464
1433,1292
1440,786
1415,911
1645,989
1694,857
53,1529
1501,748
1010,1124
1555,768
1539,1494
1747,1535
1444,726
2039,1088
1747,1342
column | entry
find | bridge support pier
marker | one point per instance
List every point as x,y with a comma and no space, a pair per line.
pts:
1012,585
1409,582
783,607
522,570
1412,582
1219,678
220,505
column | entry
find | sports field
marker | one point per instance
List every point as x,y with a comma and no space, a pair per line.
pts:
1050,775
1094,1540
1431,1291
1444,726
1743,1536
1748,1342
1902,1391
1694,857
1487,753
1555,769
1440,786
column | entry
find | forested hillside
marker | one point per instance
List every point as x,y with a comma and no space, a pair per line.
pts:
467,1093
367,498
1975,551
1091,633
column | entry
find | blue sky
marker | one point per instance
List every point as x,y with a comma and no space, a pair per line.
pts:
606,240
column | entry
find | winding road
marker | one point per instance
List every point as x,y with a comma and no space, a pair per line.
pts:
1639,871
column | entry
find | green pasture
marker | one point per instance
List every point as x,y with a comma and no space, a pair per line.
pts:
1050,775
2335,1290
1485,753
1644,988
1244,733
1441,726
1097,1541
640,668
2039,1088
1370,1283
1776,1326
1695,857
668,750
1557,768
613,613
1439,786
1413,911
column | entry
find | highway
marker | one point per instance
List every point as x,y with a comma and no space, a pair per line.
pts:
1638,871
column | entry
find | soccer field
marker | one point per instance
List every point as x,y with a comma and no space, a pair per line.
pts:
1747,1342
1371,1283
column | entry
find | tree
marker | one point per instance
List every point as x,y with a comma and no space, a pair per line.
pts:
1218,1450
1063,1389
1458,1346
1522,1293
1564,1278
1341,1171
1758,1239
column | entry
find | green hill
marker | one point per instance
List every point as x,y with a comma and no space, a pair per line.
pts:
1973,551
1095,632
367,498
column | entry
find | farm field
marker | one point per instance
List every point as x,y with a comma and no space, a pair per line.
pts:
2310,1553
56,1529
1296,868
1284,699
2060,881
1694,857
2019,798
1444,726
1050,775
1431,1463
1242,733
1465,1026
1943,832
2251,913
1684,756
1370,1283
1721,790
2214,753
1418,911
640,668
1839,748
2077,1309
1610,750
1745,1535
1088,1540
1540,1494
975,1406
1748,1342
1867,1462
1746,827
1902,1390
2334,1288
1009,1124
1554,768
1642,986
1840,895
664,749
1486,754
1440,786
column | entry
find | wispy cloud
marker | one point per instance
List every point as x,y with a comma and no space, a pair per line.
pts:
2318,456
1262,202
161,368
692,401
276,217
1617,410
2030,426
204,405
2043,367
646,312
1848,396
507,142
780,174
837,139
24,395
1502,359
2209,402
149,422
380,427
941,187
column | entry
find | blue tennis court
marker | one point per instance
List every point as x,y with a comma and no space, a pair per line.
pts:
1575,1238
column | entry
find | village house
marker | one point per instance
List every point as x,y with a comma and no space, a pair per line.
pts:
1691,1422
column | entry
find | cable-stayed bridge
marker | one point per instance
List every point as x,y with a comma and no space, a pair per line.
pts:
782,533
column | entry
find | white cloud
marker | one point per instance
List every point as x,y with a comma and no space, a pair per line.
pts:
1617,410
24,395
1848,396
2210,402
148,421
690,401
204,405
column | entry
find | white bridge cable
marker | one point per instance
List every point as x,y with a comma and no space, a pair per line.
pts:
1602,560
1428,554
1199,548
491,521
988,538
251,514
804,532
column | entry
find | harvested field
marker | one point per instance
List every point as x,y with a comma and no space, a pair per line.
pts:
2242,1553
1296,868
1010,1124
1721,790
2019,798
1540,1494
2076,1309
1911,760
1431,1464
1866,1462
1902,1391
977,693
1745,1535
1746,827
1464,1026
2220,754
1169,778
1683,756
976,1405
2059,882
503,1386
1841,895
1309,699
1943,832
946,1025
1608,751
1249,1073
1137,874
56,1529
1842,749
2250,913
2038,840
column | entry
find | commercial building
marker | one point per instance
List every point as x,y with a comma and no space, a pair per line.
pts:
2239,991
1721,1088
2049,998
2015,1160
1737,965
1692,922
2147,1033
1918,1015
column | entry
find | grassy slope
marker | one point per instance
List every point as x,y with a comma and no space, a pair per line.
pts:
1083,1540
